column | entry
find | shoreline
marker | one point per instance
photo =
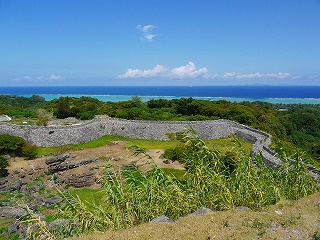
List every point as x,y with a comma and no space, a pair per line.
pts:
145,98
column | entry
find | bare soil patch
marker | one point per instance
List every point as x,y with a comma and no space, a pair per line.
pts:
115,154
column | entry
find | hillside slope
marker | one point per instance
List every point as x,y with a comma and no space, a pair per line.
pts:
286,220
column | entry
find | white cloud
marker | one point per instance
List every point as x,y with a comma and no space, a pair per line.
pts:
146,32
191,71
149,37
188,71
27,77
54,77
51,77
145,28
236,75
137,73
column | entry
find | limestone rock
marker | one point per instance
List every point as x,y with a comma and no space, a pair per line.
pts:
201,211
12,212
242,208
83,180
51,201
58,159
162,219
9,187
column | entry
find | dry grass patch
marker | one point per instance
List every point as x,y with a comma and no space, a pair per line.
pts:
286,220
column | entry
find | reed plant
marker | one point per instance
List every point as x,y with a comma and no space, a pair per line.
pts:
133,196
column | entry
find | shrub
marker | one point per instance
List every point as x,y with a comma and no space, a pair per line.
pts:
29,151
3,162
11,144
176,154
43,117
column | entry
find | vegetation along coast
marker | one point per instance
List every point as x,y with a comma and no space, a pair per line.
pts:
74,166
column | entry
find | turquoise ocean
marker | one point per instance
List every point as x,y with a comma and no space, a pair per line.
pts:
271,94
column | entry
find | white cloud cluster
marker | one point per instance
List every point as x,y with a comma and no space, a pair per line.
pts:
146,32
187,71
51,77
236,75
137,73
191,71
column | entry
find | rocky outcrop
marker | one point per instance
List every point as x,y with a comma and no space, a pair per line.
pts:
52,201
13,212
81,180
57,159
201,211
7,186
58,163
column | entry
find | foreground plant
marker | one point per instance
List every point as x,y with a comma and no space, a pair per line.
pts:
133,197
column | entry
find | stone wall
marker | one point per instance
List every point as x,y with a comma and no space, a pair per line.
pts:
79,133
98,127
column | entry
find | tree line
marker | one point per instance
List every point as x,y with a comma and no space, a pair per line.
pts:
292,126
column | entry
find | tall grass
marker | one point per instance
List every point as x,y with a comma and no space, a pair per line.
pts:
132,196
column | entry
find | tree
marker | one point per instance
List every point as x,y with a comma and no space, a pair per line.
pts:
63,108
43,117
11,144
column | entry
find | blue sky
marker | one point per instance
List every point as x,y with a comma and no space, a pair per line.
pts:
159,42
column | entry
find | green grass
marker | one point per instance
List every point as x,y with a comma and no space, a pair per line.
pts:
226,144
89,196
152,144
178,173
105,140
4,223
222,145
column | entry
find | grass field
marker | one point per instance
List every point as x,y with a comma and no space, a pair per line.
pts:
222,145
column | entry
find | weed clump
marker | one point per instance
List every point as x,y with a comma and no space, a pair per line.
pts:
133,197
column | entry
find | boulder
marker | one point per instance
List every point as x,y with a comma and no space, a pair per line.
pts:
201,211
29,189
242,208
51,201
8,187
12,212
83,180
58,159
81,163
57,167
162,219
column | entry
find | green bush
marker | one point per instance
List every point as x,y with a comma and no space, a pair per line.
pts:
29,151
176,154
11,144
3,162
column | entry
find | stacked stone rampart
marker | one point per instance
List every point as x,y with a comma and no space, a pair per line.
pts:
159,130
84,132
79,133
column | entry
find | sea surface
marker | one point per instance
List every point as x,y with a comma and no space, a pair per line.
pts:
271,94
